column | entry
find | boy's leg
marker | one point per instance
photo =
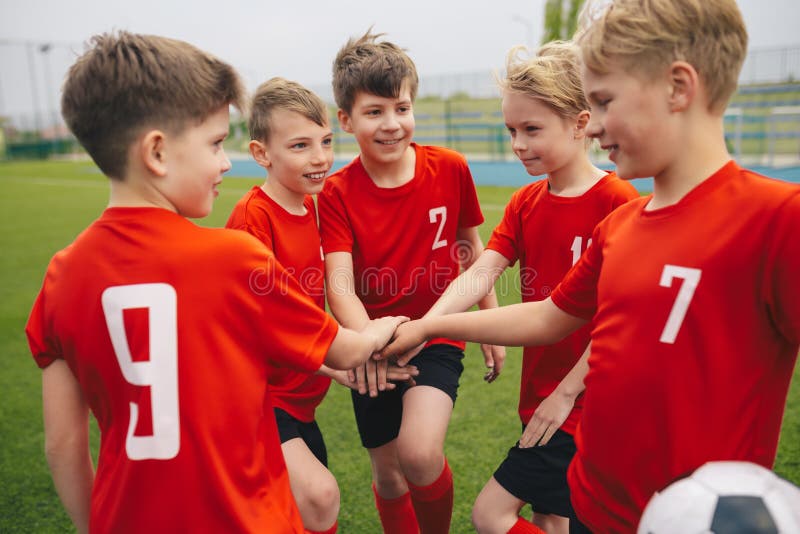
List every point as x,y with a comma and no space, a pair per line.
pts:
495,510
427,408
378,422
313,485
538,475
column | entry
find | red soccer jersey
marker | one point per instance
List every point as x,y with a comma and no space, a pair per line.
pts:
697,324
547,234
403,239
294,239
167,327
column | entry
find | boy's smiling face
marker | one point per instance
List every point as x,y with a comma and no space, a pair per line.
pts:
298,155
383,127
195,163
631,118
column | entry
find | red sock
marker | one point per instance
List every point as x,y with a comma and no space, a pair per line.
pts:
397,515
331,530
434,503
525,527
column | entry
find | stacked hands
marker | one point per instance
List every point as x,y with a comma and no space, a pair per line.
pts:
402,339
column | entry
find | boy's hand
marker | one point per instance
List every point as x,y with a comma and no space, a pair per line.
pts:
494,356
382,330
548,417
407,336
379,375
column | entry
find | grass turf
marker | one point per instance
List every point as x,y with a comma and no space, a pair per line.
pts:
43,207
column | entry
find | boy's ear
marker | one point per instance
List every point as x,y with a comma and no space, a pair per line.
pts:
152,149
684,84
582,120
259,152
344,121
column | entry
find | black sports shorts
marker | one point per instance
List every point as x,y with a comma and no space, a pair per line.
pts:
378,418
290,428
538,475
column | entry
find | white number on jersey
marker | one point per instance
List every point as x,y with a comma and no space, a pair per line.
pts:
160,372
577,248
433,214
690,277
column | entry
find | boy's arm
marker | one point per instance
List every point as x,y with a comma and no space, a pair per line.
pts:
554,410
527,324
393,374
470,250
346,307
66,439
353,349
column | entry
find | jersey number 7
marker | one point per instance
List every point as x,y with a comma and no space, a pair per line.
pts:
691,277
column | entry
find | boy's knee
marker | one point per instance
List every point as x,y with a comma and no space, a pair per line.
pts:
421,463
325,496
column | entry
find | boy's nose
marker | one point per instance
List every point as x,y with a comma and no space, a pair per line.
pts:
226,162
594,128
390,122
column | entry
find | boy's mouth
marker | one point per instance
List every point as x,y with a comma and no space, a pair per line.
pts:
388,141
315,176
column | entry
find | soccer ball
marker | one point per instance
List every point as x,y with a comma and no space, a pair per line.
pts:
724,498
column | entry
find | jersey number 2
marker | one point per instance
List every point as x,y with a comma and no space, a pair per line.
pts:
691,277
433,214
160,372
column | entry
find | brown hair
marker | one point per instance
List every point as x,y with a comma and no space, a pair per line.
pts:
127,82
648,35
280,93
552,76
378,68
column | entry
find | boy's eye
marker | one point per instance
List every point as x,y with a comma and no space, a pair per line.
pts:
404,109
531,129
327,142
374,112
512,131
299,145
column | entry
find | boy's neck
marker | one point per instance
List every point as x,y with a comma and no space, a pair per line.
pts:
392,174
704,152
291,201
130,192
575,178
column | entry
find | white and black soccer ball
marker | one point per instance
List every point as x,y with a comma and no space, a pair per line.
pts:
725,498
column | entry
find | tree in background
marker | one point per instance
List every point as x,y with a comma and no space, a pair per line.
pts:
560,19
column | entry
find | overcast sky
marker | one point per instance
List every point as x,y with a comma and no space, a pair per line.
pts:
295,39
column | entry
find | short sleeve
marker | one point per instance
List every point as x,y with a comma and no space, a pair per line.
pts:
506,237
577,292
43,348
470,213
334,227
301,332
782,276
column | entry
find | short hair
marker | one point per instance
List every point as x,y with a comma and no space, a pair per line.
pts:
379,68
648,35
280,93
552,76
126,82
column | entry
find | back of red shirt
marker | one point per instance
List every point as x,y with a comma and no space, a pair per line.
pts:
547,234
295,241
697,326
167,327
403,239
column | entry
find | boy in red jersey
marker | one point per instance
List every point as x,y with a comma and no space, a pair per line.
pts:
291,138
162,328
693,290
546,225
397,225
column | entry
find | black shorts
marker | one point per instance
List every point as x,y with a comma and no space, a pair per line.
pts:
290,428
538,475
378,418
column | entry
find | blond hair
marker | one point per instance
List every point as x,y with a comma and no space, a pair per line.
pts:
126,82
378,68
552,76
648,35
280,93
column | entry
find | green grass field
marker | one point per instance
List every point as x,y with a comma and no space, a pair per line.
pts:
44,205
